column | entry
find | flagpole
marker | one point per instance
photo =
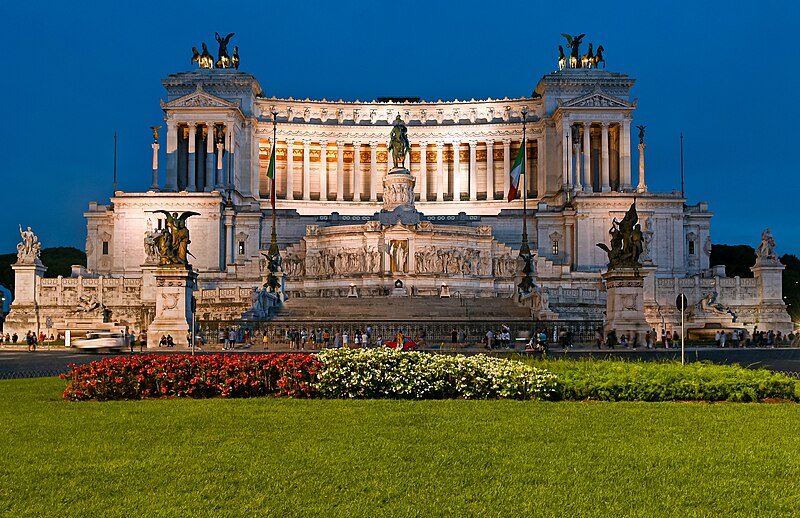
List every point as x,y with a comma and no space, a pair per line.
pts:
526,283
525,248
273,245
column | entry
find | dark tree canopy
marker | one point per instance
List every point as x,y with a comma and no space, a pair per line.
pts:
59,261
737,259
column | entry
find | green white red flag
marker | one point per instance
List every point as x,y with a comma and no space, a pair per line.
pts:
517,170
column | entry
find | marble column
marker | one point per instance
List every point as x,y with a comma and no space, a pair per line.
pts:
440,174
191,170
323,171
604,167
642,187
490,169
625,155
154,183
171,183
306,169
290,169
576,152
456,170
423,170
570,157
541,173
473,170
339,170
356,171
566,143
373,170
231,148
506,166
220,152
587,156
209,156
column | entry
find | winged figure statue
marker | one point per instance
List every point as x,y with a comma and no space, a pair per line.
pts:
173,241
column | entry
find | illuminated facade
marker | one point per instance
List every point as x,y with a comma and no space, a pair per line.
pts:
336,233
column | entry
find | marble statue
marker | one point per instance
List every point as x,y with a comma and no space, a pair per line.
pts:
173,241
709,305
223,59
398,142
30,249
88,304
766,250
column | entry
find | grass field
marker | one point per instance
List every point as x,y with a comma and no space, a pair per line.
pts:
279,457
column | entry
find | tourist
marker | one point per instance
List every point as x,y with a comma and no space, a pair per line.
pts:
14,338
598,337
337,340
716,338
623,340
265,341
345,339
30,338
635,340
675,338
369,334
454,336
647,340
232,339
770,339
8,338
489,338
723,337
380,341
326,338
611,339
170,341
364,340
163,341
664,338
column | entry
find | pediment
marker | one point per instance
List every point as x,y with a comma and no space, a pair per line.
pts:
596,99
199,99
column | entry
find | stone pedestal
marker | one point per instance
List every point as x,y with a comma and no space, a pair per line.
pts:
398,189
24,313
625,302
173,290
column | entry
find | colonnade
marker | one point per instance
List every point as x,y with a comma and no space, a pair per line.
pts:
197,157
596,155
445,154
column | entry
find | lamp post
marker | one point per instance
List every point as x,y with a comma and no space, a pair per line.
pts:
526,283
274,282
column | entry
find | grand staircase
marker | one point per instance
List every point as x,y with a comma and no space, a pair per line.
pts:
401,309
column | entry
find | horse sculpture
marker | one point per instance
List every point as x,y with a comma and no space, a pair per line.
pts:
598,57
562,59
587,60
206,60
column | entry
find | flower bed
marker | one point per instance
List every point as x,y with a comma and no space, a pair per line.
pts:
332,373
389,373
136,377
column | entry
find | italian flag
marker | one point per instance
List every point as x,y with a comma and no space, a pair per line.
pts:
271,176
516,170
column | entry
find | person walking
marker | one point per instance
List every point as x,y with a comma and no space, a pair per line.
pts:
232,339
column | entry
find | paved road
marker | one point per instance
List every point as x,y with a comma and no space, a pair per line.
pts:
19,363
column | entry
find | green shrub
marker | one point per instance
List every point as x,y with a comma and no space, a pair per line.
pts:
619,380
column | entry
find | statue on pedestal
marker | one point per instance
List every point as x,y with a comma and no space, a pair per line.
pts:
173,241
641,133
627,241
398,143
30,249
766,250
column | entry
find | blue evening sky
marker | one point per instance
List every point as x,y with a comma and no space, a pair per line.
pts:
724,73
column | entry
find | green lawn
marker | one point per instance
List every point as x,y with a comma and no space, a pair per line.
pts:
278,457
